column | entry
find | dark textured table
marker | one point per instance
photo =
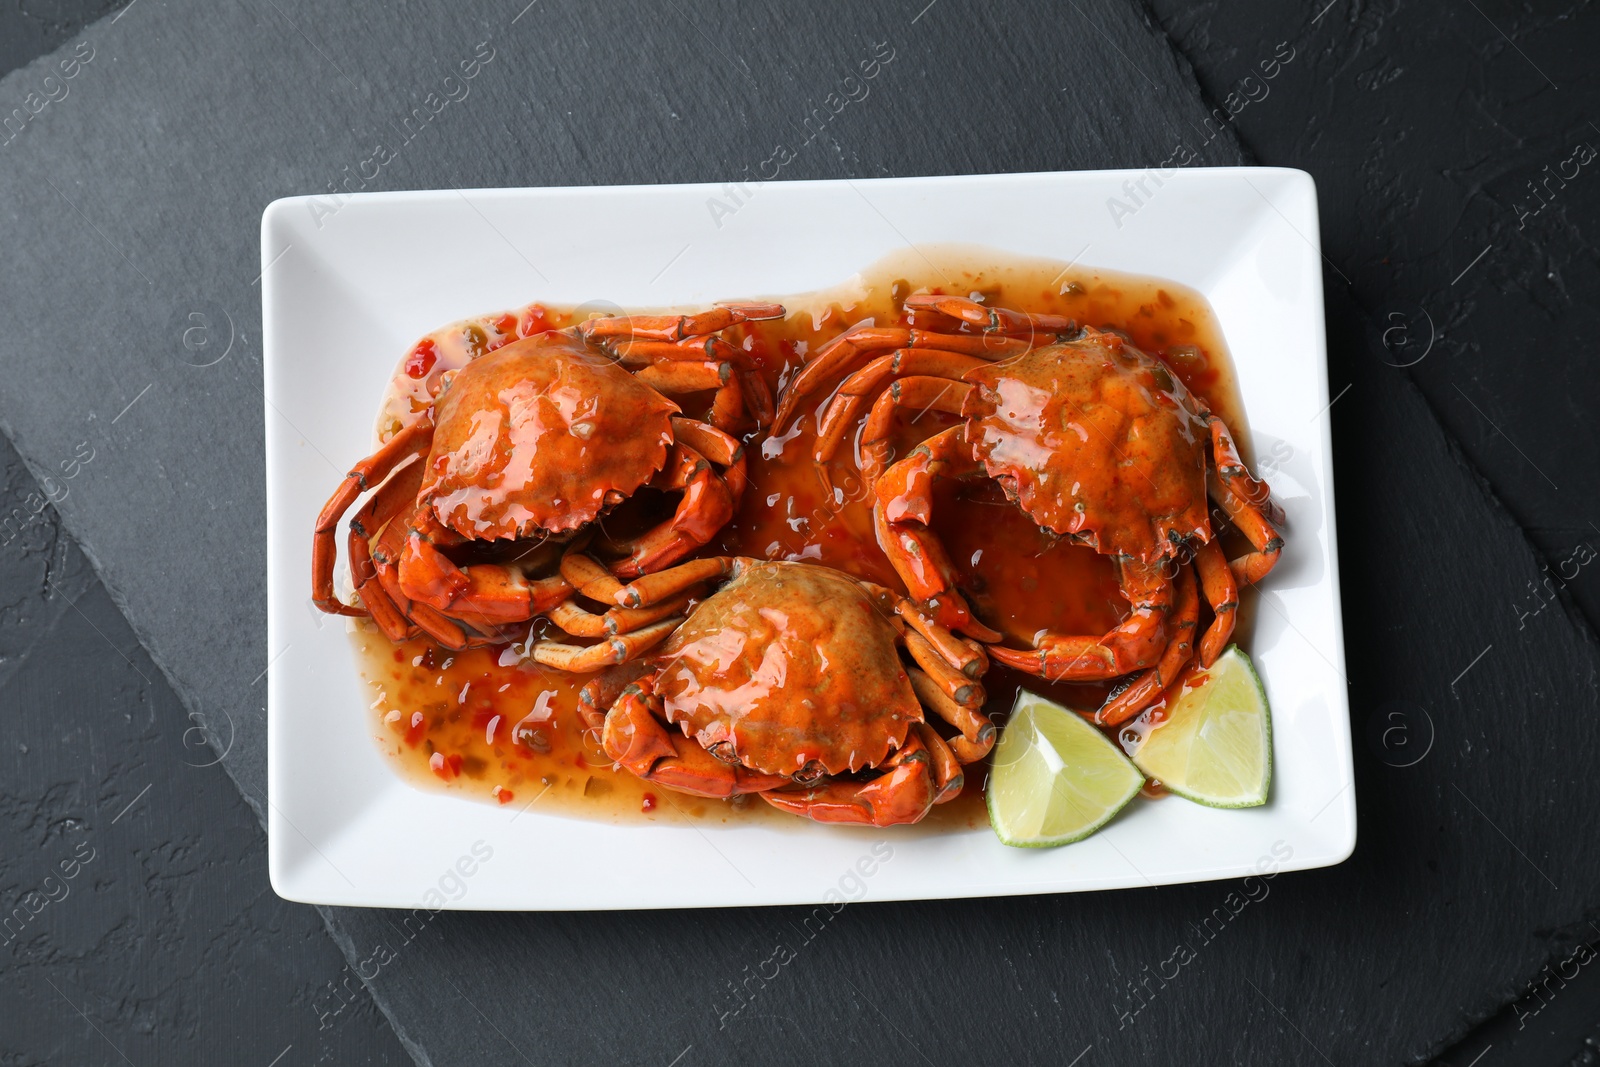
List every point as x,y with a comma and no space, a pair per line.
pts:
1449,149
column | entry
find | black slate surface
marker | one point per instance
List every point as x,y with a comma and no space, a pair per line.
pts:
135,916
1476,863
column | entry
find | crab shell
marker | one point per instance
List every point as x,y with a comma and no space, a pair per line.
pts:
531,438
1096,440
788,664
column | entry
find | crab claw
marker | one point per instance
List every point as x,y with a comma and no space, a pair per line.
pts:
635,738
918,777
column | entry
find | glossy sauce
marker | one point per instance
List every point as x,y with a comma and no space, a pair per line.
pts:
492,725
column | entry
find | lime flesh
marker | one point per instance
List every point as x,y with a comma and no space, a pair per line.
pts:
1215,745
1055,778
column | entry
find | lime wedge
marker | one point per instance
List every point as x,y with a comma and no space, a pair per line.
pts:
1215,745
1055,779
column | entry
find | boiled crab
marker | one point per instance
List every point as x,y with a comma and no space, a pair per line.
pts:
788,682
525,447
1094,440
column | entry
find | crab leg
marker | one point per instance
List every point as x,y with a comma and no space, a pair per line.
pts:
679,354
390,617
613,650
380,584
675,379
758,396
920,392
755,311
677,327
1235,475
832,358
746,389
635,737
1147,686
901,362
948,777
692,349
386,550
839,354
650,588
712,443
483,630
545,593
706,506
853,393
720,448
901,515
903,794
381,511
572,618
588,576
1222,593
985,346
977,731
1252,566
1128,647
728,405
682,465
392,498
920,559
441,628
997,320
965,655
957,686
495,592
414,440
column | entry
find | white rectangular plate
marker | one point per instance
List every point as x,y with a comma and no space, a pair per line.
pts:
349,284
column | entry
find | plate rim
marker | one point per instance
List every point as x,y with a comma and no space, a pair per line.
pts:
303,889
